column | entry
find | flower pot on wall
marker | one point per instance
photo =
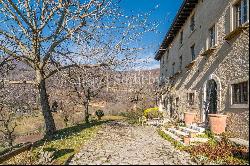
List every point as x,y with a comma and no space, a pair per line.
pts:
217,123
189,118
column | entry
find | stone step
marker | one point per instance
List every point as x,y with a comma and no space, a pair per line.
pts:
152,122
200,140
240,142
192,132
188,130
177,132
197,128
173,136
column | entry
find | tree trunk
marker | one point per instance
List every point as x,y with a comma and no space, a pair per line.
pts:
10,140
44,101
86,110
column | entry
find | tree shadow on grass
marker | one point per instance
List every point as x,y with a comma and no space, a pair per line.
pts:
58,152
66,132
69,159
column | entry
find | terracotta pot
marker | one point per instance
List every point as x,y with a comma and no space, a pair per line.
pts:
186,140
189,118
217,123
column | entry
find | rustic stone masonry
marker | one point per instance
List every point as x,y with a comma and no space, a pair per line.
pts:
226,63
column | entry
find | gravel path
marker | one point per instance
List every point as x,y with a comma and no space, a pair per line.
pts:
121,144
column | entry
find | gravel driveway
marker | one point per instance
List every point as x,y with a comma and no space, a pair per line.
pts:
121,144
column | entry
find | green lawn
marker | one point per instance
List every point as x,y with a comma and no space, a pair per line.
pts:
1,148
64,144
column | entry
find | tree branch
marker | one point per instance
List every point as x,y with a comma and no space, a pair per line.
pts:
21,15
73,65
15,18
24,59
18,42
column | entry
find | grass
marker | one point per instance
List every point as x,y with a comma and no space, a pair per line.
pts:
111,117
29,124
202,136
64,144
1,148
175,143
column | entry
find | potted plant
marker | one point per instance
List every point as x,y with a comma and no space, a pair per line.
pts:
217,123
189,117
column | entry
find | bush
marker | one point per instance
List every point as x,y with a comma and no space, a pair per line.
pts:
132,116
99,114
153,113
221,150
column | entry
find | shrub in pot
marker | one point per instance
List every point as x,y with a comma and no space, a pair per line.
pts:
99,114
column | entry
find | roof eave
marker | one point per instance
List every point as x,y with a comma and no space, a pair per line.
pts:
180,19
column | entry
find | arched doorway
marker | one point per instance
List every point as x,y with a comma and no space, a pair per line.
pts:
211,102
211,97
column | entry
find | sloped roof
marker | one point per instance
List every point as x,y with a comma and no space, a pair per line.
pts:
180,19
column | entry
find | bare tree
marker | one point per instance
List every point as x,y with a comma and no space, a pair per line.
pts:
45,35
87,84
141,87
7,125
36,32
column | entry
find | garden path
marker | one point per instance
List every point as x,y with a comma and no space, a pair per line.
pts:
121,144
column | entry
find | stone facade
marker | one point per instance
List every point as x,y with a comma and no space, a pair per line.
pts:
226,63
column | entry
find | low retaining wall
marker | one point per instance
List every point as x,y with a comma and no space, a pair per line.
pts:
15,152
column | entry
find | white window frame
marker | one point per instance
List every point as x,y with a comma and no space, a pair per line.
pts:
162,61
216,37
192,23
193,58
233,21
232,105
173,69
188,98
242,9
181,62
181,37
167,55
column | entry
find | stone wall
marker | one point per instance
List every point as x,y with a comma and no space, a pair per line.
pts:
228,64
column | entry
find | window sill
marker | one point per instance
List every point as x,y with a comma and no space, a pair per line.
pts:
239,106
209,51
172,77
191,33
177,73
236,32
190,65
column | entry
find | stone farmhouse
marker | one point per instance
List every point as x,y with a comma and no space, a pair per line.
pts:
204,63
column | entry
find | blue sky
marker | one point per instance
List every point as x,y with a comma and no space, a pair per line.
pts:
164,14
